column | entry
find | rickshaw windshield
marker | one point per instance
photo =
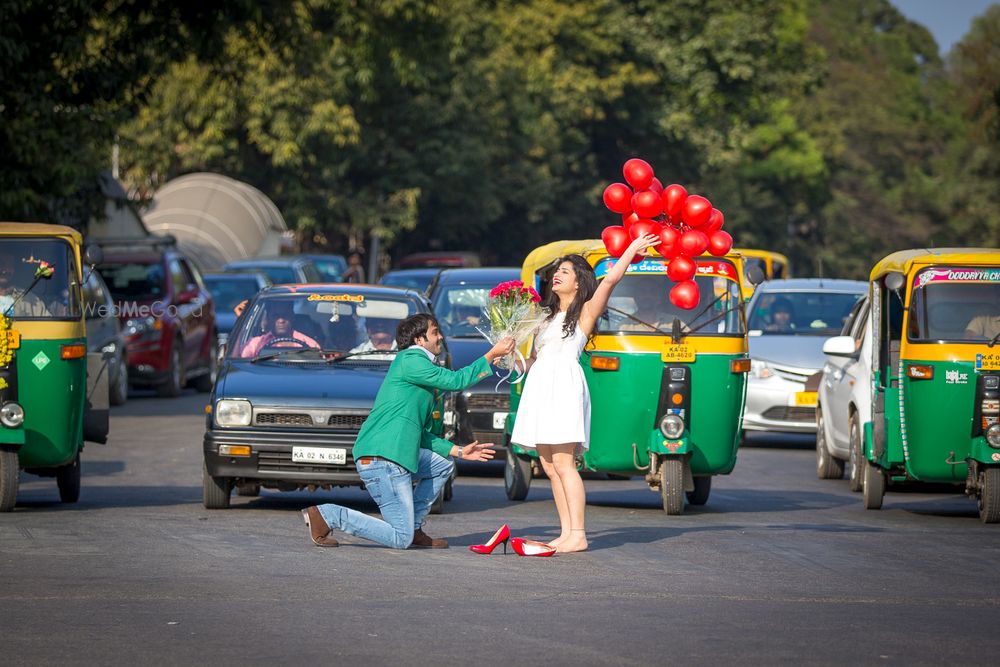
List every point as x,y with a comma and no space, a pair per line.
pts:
352,324
640,303
54,295
955,304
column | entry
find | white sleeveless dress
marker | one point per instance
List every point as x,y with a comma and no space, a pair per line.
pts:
555,403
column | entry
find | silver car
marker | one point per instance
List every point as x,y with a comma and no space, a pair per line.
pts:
788,322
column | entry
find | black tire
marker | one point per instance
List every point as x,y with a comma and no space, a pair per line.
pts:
215,491
702,489
118,389
874,486
856,476
175,373
9,470
989,496
68,480
672,485
516,475
205,383
827,467
248,490
437,507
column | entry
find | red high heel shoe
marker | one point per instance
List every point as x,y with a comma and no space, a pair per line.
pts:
523,547
501,535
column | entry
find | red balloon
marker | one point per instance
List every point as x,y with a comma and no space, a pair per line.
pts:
673,198
719,243
638,173
696,211
656,186
715,222
647,204
681,268
629,219
615,239
618,198
693,242
685,295
667,247
643,227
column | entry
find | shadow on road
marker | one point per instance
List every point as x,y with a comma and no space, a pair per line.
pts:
732,500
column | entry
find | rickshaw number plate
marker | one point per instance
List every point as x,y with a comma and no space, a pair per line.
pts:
319,455
499,420
806,398
988,362
13,339
677,353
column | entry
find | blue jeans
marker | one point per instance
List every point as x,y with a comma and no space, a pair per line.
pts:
403,508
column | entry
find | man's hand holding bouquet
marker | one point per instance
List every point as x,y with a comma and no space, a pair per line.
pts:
513,312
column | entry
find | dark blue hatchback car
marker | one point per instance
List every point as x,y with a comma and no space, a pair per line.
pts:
298,378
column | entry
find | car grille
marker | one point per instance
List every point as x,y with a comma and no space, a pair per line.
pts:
786,413
493,437
352,422
495,402
347,422
793,375
284,419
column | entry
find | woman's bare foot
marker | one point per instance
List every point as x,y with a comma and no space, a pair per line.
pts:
559,540
574,543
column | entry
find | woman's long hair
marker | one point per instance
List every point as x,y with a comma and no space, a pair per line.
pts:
586,285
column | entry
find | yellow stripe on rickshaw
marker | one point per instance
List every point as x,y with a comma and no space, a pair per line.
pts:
656,343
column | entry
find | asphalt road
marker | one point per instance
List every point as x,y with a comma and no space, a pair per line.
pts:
779,568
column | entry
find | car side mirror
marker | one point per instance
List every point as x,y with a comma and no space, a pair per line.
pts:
93,254
755,275
840,346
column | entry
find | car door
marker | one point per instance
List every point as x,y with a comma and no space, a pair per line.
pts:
189,305
840,377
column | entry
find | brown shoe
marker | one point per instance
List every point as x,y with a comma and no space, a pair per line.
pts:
319,531
422,540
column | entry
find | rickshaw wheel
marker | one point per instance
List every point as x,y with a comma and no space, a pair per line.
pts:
989,496
215,491
8,479
874,486
68,480
702,487
827,467
672,485
856,479
516,475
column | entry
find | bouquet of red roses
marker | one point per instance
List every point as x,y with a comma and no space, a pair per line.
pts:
512,311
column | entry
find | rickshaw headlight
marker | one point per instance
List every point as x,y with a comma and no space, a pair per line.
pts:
11,415
672,426
230,412
993,436
760,369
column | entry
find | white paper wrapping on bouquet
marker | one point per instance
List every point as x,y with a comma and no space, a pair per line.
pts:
518,323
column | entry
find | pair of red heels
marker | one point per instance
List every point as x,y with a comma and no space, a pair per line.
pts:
521,546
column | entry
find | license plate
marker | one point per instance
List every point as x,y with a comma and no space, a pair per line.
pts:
13,339
319,455
806,398
988,362
677,353
499,420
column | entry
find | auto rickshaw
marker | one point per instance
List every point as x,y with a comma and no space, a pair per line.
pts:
774,265
666,385
936,374
49,402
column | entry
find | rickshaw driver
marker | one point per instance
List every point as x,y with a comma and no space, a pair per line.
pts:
983,327
25,305
280,316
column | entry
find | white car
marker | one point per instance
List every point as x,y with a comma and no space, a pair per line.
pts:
845,393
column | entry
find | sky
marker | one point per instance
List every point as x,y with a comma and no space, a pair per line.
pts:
948,20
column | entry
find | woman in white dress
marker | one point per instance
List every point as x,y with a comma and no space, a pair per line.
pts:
553,415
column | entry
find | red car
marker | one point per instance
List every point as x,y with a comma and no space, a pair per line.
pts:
167,315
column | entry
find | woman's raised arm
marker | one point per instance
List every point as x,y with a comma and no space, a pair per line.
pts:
599,302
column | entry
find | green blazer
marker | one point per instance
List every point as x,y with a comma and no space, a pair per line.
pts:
400,421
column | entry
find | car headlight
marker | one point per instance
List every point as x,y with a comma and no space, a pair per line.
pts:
146,327
672,426
229,412
760,369
992,435
11,415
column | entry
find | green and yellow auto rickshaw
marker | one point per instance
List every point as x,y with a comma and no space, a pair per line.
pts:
46,409
666,385
936,374
774,266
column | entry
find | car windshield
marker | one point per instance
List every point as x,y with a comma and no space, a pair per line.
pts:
459,309
348,323
278,274
330,268
955,304
229,291
134,280
54,297
640,303
801,313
